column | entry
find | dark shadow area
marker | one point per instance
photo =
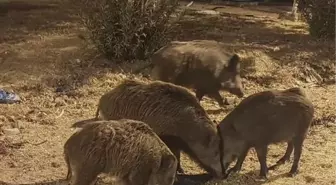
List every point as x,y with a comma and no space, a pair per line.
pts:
197,179
21,20
6,7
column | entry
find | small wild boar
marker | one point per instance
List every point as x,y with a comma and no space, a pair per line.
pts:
173,113
201,65
264,118
126,149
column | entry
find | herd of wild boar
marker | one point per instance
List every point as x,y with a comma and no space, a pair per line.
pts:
140,129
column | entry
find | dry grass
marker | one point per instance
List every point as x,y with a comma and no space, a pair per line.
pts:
40,52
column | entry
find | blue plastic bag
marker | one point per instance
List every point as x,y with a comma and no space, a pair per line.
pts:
8,98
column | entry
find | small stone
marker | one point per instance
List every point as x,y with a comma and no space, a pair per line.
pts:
11,131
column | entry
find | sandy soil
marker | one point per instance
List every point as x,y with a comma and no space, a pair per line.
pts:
41,52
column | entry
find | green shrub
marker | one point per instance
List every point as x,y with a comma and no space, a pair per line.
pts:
320,16
127,29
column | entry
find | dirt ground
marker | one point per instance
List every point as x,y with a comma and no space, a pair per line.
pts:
60,79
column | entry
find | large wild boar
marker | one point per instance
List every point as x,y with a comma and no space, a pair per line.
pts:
126,149
173,113
264,118
200,64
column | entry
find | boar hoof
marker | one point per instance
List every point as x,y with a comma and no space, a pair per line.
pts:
226,175
292,174
234,170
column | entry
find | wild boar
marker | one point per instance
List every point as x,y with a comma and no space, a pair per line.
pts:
126,149
173,113
264,118
199,64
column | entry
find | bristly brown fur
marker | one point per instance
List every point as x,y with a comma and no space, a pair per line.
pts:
199,64
173,113
126,149
264,118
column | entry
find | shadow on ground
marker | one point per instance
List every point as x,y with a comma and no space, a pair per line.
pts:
21,20
246,178
8,6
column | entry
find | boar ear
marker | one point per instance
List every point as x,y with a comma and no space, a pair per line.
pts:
234,63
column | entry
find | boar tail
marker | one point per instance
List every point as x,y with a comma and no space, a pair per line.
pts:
97,113
82,123
142,68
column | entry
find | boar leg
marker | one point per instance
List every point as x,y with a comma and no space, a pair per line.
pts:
218,98
69,174
85,176
199,94
285,158
172,143
262,154
298,142
240,161
177,154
